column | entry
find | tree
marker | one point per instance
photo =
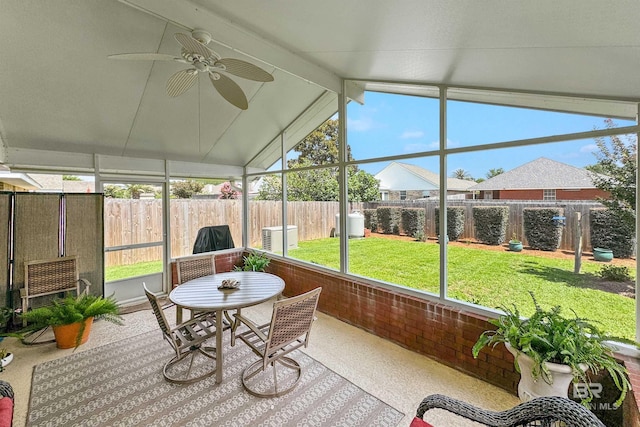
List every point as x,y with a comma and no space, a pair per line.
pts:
114,191
494,172
186,189
133,191
318,149
617,172
70,178
461,174
227,192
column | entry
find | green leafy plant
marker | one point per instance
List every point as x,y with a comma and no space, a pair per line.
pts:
255,261
616,273
548,336
514,238
420,236
71,310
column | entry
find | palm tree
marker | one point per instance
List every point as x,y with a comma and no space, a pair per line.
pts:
461,174
494,172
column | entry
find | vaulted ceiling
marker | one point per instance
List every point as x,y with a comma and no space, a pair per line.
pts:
62,101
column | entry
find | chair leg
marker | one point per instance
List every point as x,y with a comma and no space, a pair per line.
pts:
185,378
261,387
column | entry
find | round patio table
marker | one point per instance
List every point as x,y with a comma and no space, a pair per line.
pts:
202,294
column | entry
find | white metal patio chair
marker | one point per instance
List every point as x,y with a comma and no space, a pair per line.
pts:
187,340
288,330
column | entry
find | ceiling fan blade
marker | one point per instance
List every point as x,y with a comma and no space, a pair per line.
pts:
193,45
229,90
146,57
244,69
181,81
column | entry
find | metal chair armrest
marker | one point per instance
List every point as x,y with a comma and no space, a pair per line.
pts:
86,284
252,325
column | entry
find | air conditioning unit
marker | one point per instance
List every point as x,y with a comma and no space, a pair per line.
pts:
272,238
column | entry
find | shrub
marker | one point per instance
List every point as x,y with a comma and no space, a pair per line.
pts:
609,230
455,221
491,223
616,273
420,236
389,219
412,220
371,219
540,230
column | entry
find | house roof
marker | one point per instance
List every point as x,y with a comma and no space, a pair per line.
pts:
64,101
453,184
541,173
430,179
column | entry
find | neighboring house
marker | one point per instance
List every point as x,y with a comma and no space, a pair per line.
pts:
541,179
13,181
55,184
402,181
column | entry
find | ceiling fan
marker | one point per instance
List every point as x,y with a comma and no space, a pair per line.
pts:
203,60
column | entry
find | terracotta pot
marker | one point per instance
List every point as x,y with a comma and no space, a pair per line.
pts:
530,388
66,335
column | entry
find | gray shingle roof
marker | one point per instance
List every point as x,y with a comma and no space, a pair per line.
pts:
453,184
541,173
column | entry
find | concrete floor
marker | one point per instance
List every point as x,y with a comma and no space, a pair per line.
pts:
395,375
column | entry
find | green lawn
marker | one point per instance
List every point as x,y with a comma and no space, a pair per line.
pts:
486,277
123,271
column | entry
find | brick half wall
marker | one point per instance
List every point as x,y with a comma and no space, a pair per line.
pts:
436,330
441,332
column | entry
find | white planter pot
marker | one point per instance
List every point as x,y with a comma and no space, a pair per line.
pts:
530,387
6,360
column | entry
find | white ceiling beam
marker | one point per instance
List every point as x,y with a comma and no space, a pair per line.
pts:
187,14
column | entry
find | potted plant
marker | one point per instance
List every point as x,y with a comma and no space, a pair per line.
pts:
255,261
515,245
555,349
71,318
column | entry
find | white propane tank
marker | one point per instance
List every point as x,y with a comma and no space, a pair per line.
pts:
355,224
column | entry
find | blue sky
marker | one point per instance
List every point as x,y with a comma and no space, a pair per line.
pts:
394,124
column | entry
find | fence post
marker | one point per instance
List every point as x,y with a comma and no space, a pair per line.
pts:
577,233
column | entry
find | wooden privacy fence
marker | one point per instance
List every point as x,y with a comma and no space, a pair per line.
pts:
515,224
129,221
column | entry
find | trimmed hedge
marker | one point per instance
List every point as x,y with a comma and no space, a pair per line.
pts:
541,231
491,223
609,231
412,221
389,219
371,219
455,221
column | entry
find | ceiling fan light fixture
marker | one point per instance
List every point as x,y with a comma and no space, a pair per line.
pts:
202,36
195,53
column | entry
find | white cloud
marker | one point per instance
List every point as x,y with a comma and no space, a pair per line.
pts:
590,148
408,134
450,144
360,125
416,147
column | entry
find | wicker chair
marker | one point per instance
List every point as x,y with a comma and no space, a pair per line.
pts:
186,339
541,412
49,277
190,268
288,330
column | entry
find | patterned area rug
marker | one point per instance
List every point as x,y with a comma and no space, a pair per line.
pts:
121,384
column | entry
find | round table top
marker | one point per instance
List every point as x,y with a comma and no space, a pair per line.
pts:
203,293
